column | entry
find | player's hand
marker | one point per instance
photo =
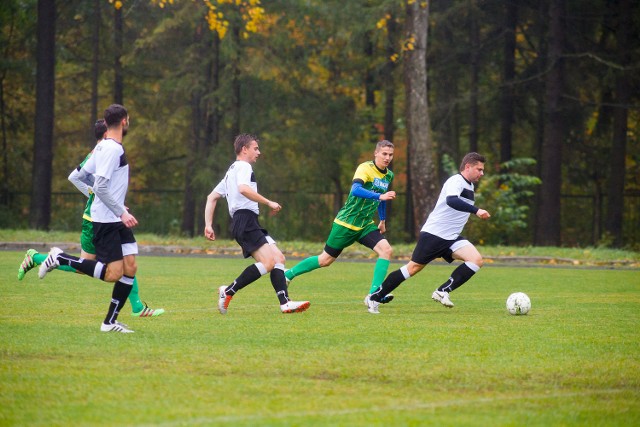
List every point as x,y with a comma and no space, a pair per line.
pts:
389,195
274,206
382,226
483,214
129,220
209,233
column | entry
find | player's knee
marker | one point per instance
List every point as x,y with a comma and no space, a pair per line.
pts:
114,272
478,261
269,264
386,252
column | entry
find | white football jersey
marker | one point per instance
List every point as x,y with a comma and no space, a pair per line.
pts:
240,172
109,161
444,221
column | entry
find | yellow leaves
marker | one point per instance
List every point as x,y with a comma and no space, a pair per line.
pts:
117,4
394,58
382,23
409,44
250,12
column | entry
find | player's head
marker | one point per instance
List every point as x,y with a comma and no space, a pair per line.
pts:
99,129
471,159
114,116
383,154
243,140
472,166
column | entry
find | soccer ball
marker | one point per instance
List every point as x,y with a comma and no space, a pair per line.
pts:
518,303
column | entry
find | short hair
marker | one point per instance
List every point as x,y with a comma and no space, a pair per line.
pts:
383,144
243,140
471,159
99,129
114,114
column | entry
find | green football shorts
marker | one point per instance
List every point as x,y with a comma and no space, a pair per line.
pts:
342,237
86,238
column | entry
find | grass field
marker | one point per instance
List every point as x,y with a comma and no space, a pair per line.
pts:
574,360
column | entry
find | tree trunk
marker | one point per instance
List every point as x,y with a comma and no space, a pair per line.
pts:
118,79
388,80
474,40
508,75
615,187
95,69
420,145
40,211
548,231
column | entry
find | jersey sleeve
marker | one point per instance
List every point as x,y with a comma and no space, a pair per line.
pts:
221,188
244,173
362,174
453,187
107,160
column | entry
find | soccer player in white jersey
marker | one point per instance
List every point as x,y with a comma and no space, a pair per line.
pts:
115,244
440,236
240,188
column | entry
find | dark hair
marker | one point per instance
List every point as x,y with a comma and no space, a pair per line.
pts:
99,129
243,140
114,114
384,143
471,159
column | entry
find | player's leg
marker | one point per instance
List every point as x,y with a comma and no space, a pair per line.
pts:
33,258
339,238
465,251
116,245
374,240
271,255
252,243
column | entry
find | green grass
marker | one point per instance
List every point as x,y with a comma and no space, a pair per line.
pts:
573,360
589,256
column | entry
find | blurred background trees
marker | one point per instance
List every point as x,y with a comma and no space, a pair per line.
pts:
320,82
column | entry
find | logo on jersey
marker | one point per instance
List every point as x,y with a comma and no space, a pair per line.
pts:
381,184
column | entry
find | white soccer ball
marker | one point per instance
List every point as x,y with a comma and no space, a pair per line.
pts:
518,303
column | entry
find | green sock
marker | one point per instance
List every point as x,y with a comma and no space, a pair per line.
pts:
134,298
379,273
304,266
39,259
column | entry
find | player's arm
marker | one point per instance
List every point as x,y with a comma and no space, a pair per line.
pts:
101,190
81,180
209,210
455,202
254,196
382,214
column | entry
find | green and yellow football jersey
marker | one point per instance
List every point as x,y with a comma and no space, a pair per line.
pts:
358,212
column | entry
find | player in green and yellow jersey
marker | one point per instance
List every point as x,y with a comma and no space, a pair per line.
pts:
355,221
88,250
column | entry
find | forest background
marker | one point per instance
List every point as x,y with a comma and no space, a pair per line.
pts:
546,89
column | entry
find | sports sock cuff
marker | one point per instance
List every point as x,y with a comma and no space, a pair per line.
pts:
405,272
472,266
261,268
127,280
279,266
99,271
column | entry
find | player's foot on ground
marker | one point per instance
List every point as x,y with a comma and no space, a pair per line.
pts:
115,327
385,300
223,300
148,312
442,297
295,306
372,306
27,263
50,263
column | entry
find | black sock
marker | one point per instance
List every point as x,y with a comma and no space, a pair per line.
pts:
459,276
248,276
279,283
393,280
121,290
87,266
